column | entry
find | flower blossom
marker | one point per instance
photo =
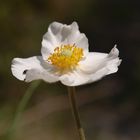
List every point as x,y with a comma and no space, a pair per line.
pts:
65,57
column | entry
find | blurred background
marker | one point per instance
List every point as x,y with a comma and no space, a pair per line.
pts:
109,108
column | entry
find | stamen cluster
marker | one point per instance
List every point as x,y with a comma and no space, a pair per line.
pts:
66,56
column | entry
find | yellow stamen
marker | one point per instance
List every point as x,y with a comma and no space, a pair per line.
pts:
66,57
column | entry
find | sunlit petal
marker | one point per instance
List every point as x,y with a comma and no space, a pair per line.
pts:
61,34
32,69
97,65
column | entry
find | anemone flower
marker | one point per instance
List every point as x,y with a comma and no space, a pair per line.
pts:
65,57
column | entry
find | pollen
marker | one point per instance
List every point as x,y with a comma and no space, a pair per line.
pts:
66,57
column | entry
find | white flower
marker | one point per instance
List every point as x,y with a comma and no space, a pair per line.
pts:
66,58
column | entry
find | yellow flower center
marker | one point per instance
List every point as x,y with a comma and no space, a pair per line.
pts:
66,57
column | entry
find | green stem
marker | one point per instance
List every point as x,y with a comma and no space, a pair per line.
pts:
72,98
22,105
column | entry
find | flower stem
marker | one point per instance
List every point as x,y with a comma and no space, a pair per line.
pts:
72,98
22,104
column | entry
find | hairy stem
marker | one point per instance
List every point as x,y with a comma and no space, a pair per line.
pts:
72,92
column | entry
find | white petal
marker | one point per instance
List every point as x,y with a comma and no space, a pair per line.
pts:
111,67
32,68
74,78
59,34
97,65
71,35
82,42
51,39
92,62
